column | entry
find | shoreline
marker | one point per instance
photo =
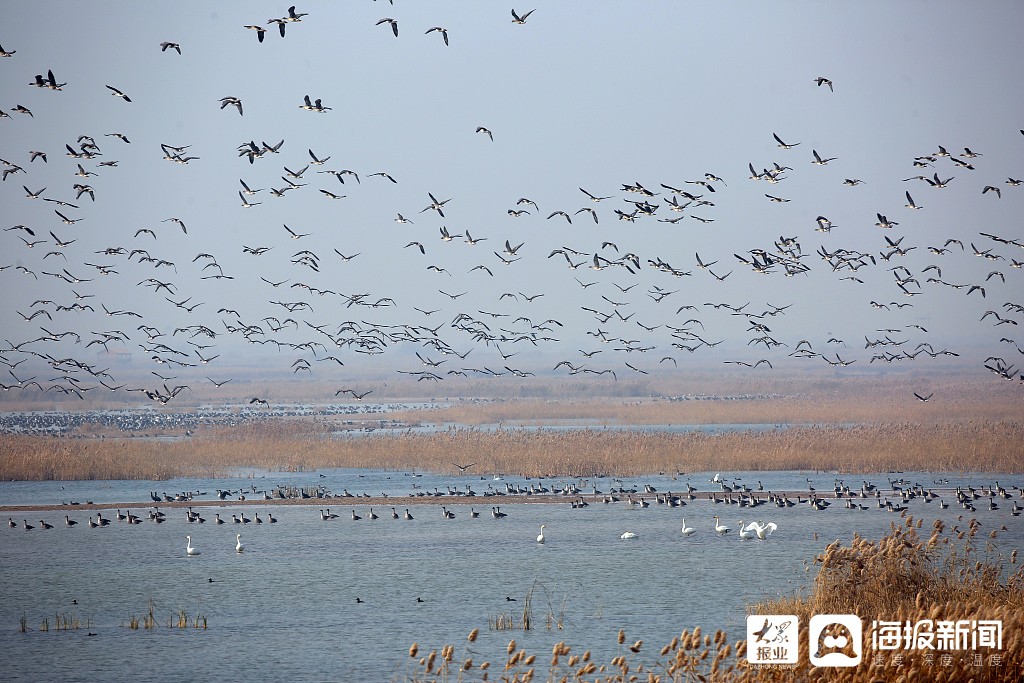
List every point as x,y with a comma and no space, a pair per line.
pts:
409,501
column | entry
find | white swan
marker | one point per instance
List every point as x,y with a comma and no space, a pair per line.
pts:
747,532
189,550
540,538
238,543
719,527
627,535
687,530
762,530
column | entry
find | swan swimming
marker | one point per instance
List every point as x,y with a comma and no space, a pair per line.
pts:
747,532
719,527
687,530
238,543
628,535
540,538
189,550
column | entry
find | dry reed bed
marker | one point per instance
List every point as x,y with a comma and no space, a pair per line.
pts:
958,575
288,445
791,401
961,565
811,407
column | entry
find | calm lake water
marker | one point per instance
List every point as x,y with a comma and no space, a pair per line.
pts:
287,606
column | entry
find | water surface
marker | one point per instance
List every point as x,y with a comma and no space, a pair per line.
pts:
287,605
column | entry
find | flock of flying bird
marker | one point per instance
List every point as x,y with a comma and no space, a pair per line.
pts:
316,327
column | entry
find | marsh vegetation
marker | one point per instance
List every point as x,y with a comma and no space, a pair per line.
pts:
957,573
288,445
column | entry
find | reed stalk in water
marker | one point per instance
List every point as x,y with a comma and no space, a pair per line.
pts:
957,573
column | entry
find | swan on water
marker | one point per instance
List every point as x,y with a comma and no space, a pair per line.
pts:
747,532
189,550
687,530
540,538
762,530
719,527
238,543
627,535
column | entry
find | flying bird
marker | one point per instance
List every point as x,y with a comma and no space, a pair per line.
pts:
260,31
294,16
49,82
233,101
117,93
784,145
393,22
441,30
818,161
517,19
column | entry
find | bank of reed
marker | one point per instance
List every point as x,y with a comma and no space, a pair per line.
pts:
289,445
958,573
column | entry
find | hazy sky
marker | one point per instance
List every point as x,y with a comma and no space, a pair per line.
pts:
583,95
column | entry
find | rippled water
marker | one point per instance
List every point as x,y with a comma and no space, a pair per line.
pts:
287,608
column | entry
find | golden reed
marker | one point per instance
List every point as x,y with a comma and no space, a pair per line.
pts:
956,574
